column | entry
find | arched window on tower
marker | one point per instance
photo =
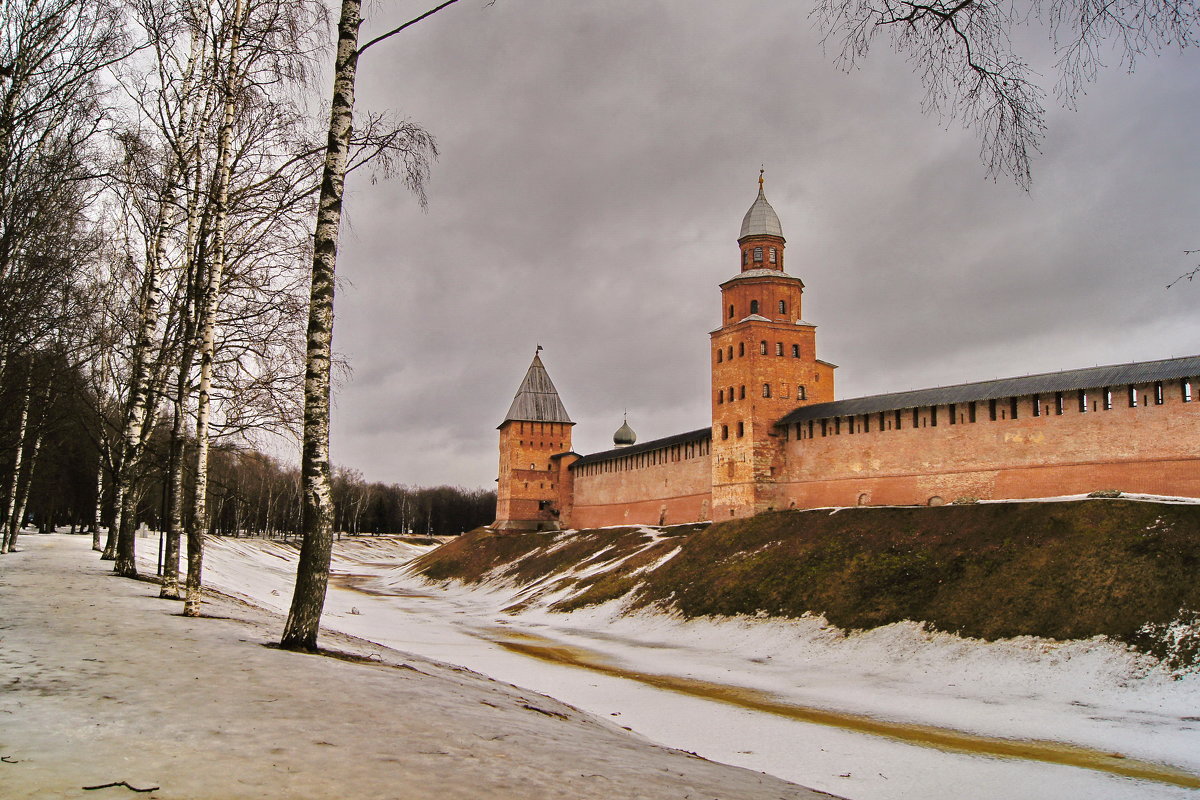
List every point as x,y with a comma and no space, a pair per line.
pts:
731,311
762,347
745,257
741,429
800,393
741,349
758,255
742,392
772,255
730,353
795,351
779,348
783,306
720,354
753,306
766,390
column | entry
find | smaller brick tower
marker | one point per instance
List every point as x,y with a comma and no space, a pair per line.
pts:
764,365
535,430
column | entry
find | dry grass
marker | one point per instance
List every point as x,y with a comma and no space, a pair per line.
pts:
1119,568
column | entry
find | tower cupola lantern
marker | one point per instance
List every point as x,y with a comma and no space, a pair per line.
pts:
761,239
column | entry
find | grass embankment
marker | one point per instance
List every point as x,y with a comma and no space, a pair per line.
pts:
1124,569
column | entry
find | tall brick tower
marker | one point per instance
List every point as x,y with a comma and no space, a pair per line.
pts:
535,431
764,365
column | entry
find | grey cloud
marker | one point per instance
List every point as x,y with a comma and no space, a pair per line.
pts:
596,162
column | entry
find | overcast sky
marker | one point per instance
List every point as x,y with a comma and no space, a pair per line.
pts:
596,161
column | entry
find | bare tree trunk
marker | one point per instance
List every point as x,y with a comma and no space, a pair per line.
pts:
170,576
190,168
140,397
114,518
208,318
12,518
98,508
312,576
27,480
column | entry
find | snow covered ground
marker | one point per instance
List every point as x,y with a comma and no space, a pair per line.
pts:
1091,694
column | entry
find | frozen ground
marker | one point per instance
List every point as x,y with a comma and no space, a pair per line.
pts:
659,675
103,684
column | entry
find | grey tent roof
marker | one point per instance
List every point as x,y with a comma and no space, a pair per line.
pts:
645,447
761,219
537,400
1090,378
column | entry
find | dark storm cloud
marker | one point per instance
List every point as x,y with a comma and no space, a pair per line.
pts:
596,162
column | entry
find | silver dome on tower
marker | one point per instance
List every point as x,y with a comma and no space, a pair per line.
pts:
761,219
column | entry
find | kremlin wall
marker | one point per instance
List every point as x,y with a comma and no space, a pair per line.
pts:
779,439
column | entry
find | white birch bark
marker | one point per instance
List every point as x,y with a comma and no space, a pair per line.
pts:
27,479
170,581
139,402
12,521
312,576
208,317
98,509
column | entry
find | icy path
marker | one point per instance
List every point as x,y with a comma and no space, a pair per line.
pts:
104,683
1023,690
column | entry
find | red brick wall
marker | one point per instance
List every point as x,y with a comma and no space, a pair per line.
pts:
675,490
1151,448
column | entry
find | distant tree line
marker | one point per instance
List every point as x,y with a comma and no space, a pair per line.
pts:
249,493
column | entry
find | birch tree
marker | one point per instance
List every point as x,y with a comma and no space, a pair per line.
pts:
312,576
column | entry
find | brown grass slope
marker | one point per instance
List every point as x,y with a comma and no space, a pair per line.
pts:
1071,570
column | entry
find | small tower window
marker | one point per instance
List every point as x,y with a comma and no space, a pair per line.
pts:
720,354
753,306
758,255
720,397
731,311
745,257
766,390
1158,393
730,356
724,431
731,394
741,429
741,349
772,255
795,351
762,347
779,348
742,392
782,304
800,393
1185,388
